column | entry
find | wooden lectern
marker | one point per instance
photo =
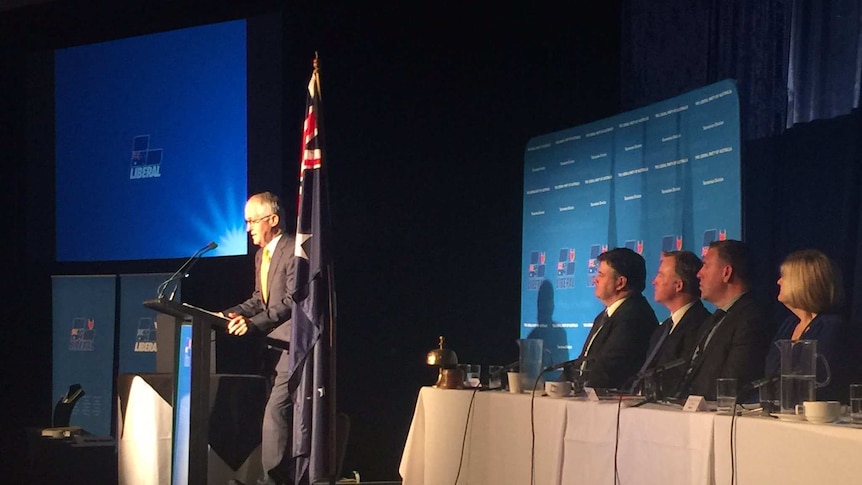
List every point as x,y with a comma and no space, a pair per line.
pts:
202,321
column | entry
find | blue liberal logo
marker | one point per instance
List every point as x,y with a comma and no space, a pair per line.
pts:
146,161
566,268
82,334
145,339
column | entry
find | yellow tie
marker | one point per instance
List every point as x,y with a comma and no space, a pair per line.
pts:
264,273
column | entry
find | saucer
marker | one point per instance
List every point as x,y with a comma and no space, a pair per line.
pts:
789,417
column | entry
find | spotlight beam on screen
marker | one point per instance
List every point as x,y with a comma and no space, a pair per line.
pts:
151,145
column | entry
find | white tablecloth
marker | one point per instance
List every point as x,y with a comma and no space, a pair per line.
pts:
498,438
657,445
576,439
769,451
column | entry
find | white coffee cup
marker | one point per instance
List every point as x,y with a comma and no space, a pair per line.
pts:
558,389
514,382
822,411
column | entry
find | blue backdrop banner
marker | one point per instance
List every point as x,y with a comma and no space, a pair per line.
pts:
84,311
660,178
137,343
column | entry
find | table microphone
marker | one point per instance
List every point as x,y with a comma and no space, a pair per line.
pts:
563,365
655,371
757,384
506,368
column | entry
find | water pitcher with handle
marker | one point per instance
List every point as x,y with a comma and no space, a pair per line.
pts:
799,373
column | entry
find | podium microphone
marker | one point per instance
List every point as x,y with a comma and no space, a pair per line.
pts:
184,271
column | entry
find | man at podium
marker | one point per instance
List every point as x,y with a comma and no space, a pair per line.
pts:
268,311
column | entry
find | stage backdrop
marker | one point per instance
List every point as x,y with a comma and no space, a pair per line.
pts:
660,178
83,346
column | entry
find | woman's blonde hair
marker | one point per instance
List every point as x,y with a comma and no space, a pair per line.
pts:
810,281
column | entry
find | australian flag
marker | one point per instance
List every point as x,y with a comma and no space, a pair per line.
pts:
311,339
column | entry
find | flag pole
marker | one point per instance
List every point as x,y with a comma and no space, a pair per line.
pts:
330,284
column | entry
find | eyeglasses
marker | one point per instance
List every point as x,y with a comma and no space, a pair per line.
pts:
249,222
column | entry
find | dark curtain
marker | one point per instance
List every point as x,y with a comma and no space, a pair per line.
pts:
825,59
793,60
672,47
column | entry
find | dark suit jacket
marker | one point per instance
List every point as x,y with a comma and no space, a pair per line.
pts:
737,349
274,316
681,343
619,348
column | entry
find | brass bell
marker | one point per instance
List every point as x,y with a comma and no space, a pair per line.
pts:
450,376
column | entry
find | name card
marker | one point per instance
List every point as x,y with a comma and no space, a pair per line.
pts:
695,403
592,395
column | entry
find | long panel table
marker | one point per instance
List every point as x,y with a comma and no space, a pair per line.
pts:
578,441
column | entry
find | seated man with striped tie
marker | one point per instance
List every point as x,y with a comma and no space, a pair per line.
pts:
677,288
733,342
617,343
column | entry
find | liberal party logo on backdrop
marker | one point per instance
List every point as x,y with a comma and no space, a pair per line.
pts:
636,245
711,235
536,270
566,268
146,161
145,339
671,242
593,262
82,334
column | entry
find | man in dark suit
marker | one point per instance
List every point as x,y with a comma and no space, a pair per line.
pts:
677,288
733,342
268,312
617,342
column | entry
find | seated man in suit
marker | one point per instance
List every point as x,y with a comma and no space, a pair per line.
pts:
733,342
677,288
617,343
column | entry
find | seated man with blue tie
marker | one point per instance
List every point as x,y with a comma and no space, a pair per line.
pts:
677,288
733,342
617,343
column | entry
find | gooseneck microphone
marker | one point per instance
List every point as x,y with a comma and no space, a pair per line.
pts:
506,368
183,271
656,373
757,384
563,365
